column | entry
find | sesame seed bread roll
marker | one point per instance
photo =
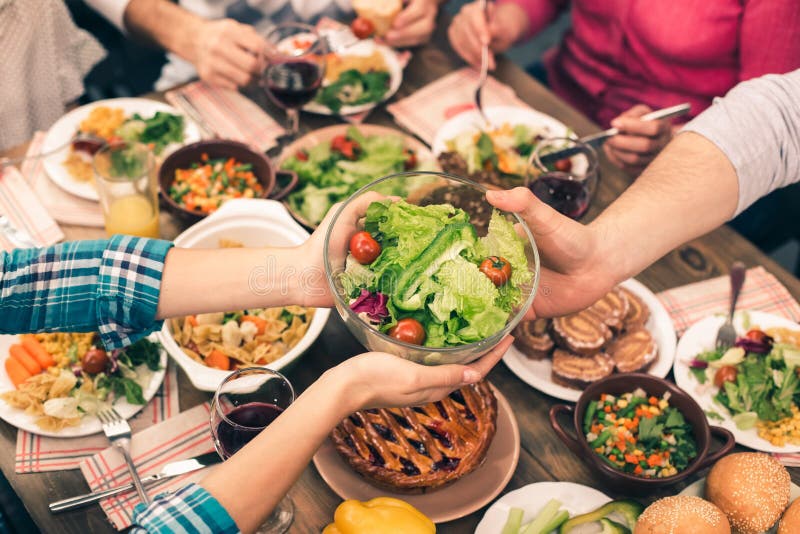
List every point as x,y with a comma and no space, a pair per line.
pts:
790,522
751,488
682,514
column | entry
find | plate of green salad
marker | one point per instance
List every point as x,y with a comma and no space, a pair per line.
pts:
333,163
752,388
421,282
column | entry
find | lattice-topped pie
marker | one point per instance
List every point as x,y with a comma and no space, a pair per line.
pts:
419,449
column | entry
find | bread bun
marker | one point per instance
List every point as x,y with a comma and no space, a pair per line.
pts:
380,13
682,514
790,522
751,488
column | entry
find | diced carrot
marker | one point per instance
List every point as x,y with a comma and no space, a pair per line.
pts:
204,156
192,320
19,353
653,401
612,457
630,458
260,323
607,409
16,372
638,470
654,460
602,397
37,350
218,360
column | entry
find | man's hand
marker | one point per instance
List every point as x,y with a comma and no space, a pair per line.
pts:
414,25
573,276
639,142
469,32
227,53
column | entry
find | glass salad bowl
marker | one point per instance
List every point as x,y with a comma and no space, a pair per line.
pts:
433,277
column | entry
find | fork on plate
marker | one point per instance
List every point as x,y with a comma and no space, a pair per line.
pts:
118,432
726,336
484,74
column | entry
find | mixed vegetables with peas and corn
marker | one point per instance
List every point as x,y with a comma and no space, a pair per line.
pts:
205,185
640,434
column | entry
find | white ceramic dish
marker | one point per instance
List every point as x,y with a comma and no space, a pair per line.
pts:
65,127
575,498
700,337
537,372
365,48
89,424
254,223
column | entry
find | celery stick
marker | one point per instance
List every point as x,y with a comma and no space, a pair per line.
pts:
513,522
559,519
545,515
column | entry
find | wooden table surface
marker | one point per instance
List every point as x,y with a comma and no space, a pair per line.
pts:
543,457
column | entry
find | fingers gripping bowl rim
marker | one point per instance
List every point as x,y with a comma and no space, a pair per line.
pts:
335,250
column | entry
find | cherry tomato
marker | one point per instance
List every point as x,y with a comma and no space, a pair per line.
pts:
411,159
408,330
563,165
726,373
364,248
94,361
757,335
302,155
362,28
497,269
346,147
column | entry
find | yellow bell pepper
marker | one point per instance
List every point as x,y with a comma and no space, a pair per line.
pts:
382,515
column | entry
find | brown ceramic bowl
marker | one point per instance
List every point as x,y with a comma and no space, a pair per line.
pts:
652,385
221,148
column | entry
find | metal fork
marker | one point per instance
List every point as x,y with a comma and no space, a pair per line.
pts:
18,237
726,336
118,432
484,74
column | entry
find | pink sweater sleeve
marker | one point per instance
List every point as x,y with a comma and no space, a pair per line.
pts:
768,42
540,12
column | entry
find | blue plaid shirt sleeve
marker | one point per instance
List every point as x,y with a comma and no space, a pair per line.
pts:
107,286
191,509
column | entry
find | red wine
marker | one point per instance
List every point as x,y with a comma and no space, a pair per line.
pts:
253,416
570,197
292,84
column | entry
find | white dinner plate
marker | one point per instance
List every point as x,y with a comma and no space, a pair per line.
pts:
701,337
575,498
698,489
89,424
65,128
537,373
365,48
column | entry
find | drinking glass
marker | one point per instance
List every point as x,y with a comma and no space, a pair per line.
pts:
567,185
125,175
295,68
245,403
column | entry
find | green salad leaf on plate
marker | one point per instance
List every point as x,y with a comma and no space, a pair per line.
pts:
354,88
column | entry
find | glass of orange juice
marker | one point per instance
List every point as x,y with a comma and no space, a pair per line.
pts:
125,174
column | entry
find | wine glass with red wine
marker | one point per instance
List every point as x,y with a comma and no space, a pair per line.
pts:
295,68
245,403
567,185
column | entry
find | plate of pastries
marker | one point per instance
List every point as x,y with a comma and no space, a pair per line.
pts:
626,331
446,458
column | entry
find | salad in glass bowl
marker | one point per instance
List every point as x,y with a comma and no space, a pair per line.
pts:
421,280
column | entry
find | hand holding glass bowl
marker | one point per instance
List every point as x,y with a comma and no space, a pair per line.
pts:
418,188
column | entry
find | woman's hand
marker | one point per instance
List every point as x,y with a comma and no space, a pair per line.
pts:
469,31
414,25
227,53
574,272
639,142
381,380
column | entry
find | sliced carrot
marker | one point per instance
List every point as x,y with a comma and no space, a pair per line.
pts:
218,360
631,459
653,401
260,323
638,470
16,372
37,350
19,353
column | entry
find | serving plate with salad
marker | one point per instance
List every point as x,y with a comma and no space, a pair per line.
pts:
753,388
131,119
75,379
333,163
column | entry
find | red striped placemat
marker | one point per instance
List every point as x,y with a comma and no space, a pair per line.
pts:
762,291
62,206
39,453
230,114
25,211
427,109
179,438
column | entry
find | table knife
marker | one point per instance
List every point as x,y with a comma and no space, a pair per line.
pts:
170,470
598,138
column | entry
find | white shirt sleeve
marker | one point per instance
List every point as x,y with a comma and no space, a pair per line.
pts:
757,126
113,10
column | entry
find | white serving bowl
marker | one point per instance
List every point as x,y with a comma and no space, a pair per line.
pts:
254,223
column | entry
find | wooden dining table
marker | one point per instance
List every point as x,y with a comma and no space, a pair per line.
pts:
542,458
